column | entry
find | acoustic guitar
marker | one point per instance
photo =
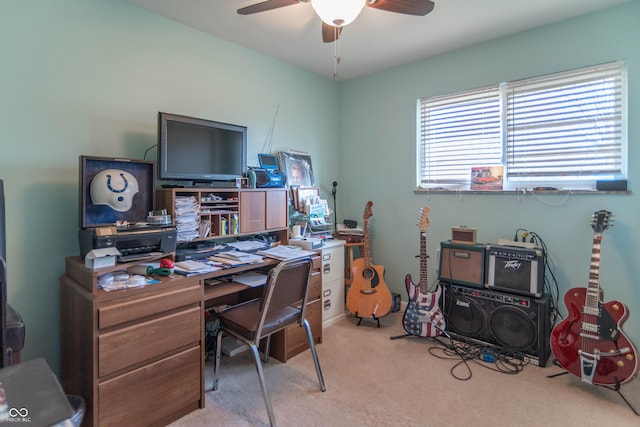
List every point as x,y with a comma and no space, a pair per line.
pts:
590,343
368,295
423,316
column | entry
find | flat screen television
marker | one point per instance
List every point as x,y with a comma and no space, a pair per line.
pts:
200,150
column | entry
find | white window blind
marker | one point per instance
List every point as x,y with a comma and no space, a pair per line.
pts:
457,132
564,127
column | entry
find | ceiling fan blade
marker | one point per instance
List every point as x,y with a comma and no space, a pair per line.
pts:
266,5
330,33
407,7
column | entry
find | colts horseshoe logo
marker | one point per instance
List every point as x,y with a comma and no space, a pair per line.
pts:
114,188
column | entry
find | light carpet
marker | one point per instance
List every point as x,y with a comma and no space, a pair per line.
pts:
375,381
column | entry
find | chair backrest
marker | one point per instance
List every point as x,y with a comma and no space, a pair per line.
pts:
287,285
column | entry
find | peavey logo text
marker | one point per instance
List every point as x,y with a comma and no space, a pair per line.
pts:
513,264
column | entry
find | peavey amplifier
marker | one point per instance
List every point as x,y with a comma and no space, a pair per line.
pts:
520,325
515,269
462,264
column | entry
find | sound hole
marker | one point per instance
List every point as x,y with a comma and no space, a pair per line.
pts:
512,328
465,316
368,273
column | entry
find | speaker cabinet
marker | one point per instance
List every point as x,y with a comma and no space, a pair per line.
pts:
462,264
514,323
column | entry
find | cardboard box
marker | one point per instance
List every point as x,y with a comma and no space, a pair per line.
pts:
101,258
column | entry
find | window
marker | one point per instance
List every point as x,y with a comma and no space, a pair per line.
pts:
566,129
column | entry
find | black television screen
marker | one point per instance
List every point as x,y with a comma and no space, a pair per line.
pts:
200,150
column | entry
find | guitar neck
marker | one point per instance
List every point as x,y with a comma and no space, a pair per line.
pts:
366,249
593,289
424,280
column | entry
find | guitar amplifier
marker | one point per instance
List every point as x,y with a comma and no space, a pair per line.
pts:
516,270
462,264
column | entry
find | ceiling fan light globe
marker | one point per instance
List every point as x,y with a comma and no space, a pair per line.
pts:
338,13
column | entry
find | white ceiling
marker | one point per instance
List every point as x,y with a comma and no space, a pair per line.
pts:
376,40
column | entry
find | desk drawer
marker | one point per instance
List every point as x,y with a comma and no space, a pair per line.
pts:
139,308
151,394
296,339
131,345
315,285
332,301
332,264
293,339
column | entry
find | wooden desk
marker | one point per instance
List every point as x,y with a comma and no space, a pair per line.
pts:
138,353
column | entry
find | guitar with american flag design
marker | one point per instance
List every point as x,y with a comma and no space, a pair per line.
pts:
423,316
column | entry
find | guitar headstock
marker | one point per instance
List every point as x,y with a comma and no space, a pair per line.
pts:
367,211
601,220
423,221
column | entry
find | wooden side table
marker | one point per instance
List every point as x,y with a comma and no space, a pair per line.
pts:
349,254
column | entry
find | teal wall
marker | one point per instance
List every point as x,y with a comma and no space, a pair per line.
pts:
87,77
379,151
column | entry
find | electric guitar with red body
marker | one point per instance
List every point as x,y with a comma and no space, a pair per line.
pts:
368,295
423,316
590,343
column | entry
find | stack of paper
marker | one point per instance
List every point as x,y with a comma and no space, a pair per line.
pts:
248,245
187,218
241,257
343,229
191,267
283,252
251,278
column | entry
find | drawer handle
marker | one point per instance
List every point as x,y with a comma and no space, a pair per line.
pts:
327,304
326,269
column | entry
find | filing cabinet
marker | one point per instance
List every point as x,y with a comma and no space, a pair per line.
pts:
332,269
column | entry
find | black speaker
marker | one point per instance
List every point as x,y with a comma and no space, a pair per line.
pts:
514,323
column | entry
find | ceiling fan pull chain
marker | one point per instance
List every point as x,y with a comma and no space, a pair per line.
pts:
336,53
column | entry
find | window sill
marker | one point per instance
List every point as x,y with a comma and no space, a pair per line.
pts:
522,191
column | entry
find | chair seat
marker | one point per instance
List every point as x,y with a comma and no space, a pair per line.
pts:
243,318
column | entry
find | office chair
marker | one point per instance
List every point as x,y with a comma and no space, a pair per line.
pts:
282,304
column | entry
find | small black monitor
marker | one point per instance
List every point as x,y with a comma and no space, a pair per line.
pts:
268,161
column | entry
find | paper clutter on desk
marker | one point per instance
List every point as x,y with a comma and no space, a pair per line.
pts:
100,258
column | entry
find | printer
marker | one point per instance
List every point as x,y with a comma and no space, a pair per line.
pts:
133,242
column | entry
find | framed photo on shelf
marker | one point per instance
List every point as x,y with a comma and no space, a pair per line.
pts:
303,196
297,166
487,177
115,190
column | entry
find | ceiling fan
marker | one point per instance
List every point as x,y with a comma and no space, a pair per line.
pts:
335,14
